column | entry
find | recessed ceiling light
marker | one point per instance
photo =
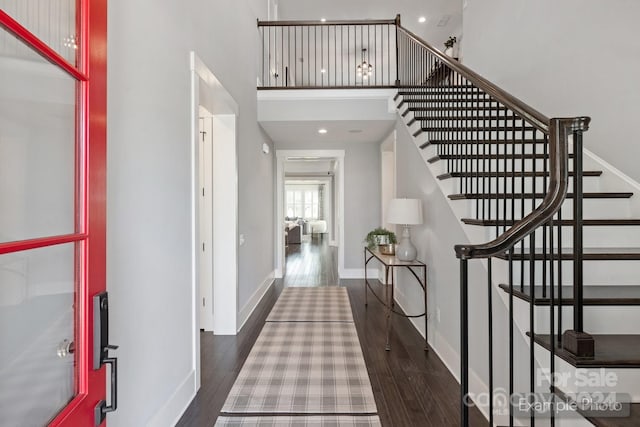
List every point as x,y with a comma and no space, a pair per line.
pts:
322,131
323,71
422,20
323,19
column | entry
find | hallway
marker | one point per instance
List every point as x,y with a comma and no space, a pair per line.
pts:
411,388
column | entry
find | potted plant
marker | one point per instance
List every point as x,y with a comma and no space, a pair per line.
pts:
449,46
384,239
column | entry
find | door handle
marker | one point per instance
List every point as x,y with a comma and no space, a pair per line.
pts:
102,409
101,356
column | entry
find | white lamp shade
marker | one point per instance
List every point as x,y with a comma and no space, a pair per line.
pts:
405,211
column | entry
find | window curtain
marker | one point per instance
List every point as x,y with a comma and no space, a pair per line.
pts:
321,201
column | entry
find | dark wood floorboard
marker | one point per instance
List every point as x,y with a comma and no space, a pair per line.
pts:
312,263
411,387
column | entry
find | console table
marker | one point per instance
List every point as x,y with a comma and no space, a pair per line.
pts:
389,262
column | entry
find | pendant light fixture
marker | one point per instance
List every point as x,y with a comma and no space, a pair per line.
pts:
364,69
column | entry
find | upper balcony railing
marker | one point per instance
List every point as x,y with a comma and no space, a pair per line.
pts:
331,54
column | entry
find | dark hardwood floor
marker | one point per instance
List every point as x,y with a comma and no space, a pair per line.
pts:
411,387
312,263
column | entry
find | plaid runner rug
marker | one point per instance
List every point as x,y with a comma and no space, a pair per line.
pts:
308,421
303,368
327,304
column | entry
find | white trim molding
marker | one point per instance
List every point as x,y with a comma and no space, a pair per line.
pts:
281,157
254,301
225,205
175,406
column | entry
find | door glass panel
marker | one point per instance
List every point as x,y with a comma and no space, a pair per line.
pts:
52,21
36,317
37,147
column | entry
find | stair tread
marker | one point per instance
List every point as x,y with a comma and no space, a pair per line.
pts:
517,174
527,156
421,103
467,118
611,350
589,254
444,91
633,420
487,141
593,295
479,128
518,196
454,108
586,222
432,87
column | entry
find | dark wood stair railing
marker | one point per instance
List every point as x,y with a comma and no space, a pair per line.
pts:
518,168
498,148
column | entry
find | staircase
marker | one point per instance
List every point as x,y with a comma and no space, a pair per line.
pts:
556,228
520,177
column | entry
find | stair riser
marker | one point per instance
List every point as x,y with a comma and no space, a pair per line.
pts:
470,163
447,105
493,185
595,272
435,115
593,208
478,150
460,98
451,131
593,236
487,122
597,319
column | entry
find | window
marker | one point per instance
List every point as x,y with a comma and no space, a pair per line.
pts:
302,203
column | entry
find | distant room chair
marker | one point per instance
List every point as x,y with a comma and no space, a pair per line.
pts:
317,227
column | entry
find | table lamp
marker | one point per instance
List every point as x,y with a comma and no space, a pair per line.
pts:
405,212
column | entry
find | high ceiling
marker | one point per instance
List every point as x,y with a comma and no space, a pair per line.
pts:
443,17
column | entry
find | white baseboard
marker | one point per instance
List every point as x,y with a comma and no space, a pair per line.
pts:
247,310
358,273
446,353
451,357
169,414
399,296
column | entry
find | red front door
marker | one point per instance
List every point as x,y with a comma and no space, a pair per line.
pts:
52,209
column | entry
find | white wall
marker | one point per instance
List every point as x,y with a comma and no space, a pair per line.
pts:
574,57
361,192
149,217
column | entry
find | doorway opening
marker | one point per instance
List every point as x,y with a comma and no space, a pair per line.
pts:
214,208
309,223
310,215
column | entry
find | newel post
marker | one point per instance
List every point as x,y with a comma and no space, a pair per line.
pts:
576,341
